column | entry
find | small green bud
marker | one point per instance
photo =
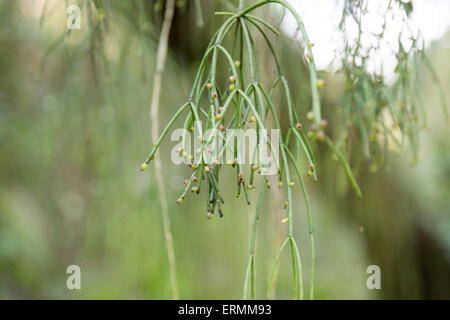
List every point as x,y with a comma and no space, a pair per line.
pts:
310,116
320,83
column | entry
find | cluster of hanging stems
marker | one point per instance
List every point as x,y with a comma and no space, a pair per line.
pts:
250,104
381,113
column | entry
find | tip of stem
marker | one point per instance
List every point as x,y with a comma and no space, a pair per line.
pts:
144,166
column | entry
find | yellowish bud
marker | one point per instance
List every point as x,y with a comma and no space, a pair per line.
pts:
320,83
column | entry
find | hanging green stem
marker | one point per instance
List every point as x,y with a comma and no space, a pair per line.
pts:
344,162
250,266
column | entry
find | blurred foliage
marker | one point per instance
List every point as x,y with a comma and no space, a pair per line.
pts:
74,128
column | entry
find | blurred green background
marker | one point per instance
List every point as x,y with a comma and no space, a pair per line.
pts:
75,127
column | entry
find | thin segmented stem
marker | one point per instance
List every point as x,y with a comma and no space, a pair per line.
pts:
310,224
274,267
154,108
290,228
344,162
310,57
251,267
165,131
